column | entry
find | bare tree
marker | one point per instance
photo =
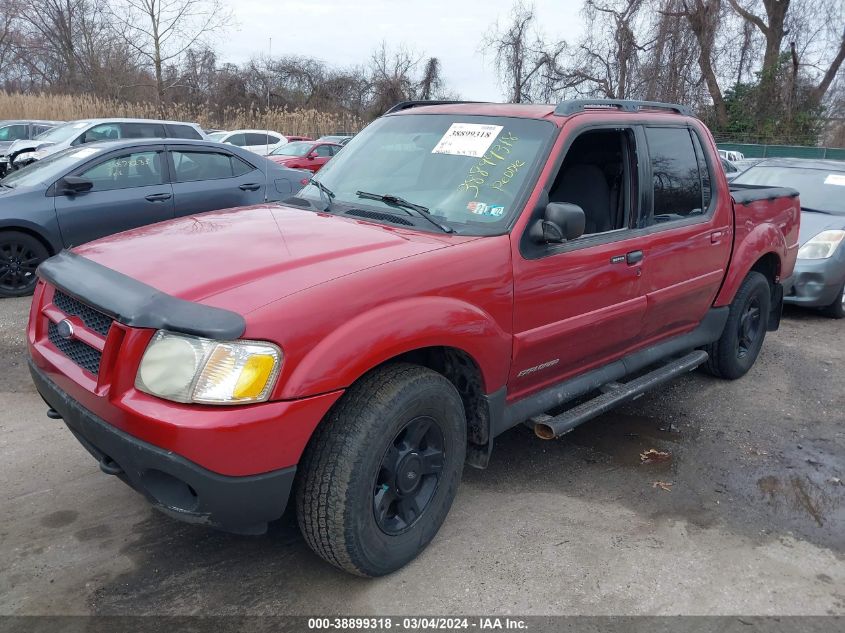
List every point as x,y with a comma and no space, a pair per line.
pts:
162,31
520,54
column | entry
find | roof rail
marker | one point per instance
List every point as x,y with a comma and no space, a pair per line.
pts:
565,108
405,105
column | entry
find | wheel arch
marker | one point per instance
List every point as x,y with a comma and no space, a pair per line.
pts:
33,231
763,250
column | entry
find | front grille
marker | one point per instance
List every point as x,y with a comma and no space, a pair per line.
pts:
93,320
83,355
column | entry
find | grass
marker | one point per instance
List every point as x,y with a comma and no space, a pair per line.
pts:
70,107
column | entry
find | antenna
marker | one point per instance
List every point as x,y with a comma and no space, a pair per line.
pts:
267,126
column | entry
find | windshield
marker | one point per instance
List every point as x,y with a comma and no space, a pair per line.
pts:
292,149
216,136
820,189
47,170
63,132
471,172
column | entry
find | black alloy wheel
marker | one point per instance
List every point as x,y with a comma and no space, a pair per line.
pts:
750,327
20,255
408,475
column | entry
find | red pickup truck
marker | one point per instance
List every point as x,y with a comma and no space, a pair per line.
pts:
457,270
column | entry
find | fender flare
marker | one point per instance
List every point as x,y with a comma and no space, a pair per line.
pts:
392,329
762,240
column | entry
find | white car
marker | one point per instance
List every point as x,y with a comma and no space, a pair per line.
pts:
731,155
262,142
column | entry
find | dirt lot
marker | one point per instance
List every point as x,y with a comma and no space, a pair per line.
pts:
753,521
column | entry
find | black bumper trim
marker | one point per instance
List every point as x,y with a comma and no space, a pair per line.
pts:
134,303
173,484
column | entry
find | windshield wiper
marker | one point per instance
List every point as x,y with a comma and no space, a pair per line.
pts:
323,190
815,210
404,204
7,186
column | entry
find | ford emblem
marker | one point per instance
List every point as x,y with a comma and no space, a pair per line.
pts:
65,329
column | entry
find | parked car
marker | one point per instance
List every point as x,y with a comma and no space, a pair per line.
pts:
83,193
75,133
745,163
20,130
456,271
216,135
731,170
731,155
819,278
262,142
340,139
310,155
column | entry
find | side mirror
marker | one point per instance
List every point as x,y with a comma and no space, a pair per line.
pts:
561,221
71,185
311,156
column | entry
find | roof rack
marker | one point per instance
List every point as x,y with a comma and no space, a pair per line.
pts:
566,108
406,105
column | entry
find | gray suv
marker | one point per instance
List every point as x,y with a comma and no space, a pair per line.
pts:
75,133
20,130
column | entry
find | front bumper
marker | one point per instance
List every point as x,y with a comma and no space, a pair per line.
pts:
816,283
173,484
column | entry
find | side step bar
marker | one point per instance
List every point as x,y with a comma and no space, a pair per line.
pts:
548,427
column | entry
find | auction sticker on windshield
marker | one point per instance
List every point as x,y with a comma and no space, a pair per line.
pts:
467,139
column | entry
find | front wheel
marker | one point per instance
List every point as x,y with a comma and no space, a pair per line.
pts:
20,255
736,350
380,473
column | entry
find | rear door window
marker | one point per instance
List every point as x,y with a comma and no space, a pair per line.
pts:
183,131
194,166
324,150
261,139
676,177
143,130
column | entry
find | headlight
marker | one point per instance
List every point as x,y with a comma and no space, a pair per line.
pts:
24,156
192,369
822,245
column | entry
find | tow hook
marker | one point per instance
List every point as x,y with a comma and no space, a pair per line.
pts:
53,414
109,466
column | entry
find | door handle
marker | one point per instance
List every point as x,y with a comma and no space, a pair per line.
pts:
634,257
159,197
716,237
250,187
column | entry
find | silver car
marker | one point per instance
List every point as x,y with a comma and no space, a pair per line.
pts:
75,133
20,130
819,277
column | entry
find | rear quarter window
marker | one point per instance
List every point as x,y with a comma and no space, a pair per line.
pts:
183,131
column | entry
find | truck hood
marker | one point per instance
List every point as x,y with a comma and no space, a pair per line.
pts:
814,223
241,259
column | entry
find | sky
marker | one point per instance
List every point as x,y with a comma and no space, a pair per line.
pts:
345,32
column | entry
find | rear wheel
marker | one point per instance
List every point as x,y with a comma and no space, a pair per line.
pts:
837,308
736,350
380,473
20,255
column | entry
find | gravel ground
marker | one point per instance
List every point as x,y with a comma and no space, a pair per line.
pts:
749,517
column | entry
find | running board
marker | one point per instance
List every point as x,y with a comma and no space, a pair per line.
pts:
548,427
